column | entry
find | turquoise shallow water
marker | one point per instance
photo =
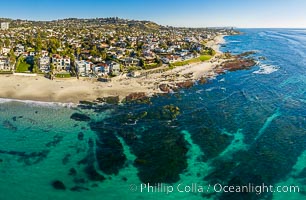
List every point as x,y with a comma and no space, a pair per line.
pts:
244,127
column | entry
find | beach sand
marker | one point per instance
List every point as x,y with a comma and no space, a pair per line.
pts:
73,90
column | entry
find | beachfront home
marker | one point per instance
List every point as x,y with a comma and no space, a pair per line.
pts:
5,64
4,51
114,68
83,67
101,69
44,64
61,63
129,61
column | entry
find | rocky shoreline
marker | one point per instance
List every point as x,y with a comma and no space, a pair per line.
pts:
230,63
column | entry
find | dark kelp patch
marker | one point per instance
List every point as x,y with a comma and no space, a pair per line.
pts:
109,151
80,117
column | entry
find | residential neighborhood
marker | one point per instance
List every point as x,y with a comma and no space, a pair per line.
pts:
100,47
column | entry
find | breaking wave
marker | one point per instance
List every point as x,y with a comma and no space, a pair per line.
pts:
266,69
38,103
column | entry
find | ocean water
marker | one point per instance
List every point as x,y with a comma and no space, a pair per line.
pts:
242,128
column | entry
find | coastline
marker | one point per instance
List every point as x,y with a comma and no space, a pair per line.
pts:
71,90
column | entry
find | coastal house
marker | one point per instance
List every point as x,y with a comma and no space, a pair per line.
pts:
61,63
5,64
129,61
114,68
19,50
101,69
83,67
44,64
4,51
4,25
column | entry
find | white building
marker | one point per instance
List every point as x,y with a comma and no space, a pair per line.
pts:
44,63
19,49
5,51
82,67
4,25
114,68
5,64
102,69
61,63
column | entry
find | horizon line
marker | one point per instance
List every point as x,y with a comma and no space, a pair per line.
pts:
226,26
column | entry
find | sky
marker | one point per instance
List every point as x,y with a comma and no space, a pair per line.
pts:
182,13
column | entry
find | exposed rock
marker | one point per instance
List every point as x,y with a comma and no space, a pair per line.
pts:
138,97
80,117
220,71
202,80
59,185
185,84
109,100
238,64
247,53
164,88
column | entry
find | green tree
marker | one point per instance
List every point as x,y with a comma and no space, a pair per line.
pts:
103,55
54,44
7,42
94,51
38,46
141,62
12,57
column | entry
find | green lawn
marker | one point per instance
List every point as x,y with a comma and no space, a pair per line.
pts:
23,67
66,75
201,58
151,66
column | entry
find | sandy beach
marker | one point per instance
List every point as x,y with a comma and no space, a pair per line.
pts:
72,90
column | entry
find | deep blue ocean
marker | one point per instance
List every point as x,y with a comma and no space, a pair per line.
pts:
243,128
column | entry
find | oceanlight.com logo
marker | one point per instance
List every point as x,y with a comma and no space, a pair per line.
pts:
212,188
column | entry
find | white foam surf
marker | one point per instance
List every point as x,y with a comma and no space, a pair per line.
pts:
39,103
266,69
